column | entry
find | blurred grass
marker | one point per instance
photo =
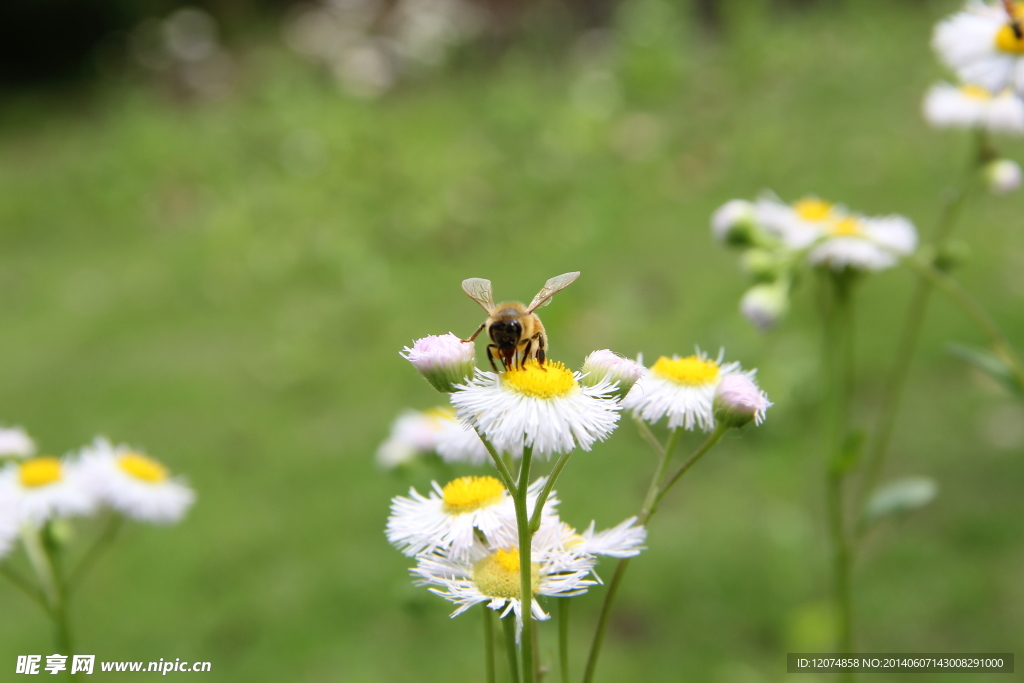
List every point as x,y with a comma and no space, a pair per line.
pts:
228,284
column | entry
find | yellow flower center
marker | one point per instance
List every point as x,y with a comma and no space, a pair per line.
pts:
975,92
39,472
467,494
497,575
1006,38
550,380
693,371
846,227
141,467
811,209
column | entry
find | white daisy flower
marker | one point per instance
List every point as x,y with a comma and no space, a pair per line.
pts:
798,225
490,574
543,407
836,237
683,389
864,243
47,487
134,484
983,45
734,222
413,432
447,520
739,401
974,107
444,360
624,540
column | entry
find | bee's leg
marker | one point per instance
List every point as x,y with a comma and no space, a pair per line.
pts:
541,343
526,353
475,334
508,358
490,356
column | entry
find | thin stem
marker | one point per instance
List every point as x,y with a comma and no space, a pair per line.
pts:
649,437
525,566
708,444
659,473
509,626
503,471
99,546
22,583
563,638
538,507
878,444
654,496
839,352
488,644
59,605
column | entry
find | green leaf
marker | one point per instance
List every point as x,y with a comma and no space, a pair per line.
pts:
988,363
899,498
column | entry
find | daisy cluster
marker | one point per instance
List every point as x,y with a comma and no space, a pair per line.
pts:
35,490
984,47
465,536
465,540
779,239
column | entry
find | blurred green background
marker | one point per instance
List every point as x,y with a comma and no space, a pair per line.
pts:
224,274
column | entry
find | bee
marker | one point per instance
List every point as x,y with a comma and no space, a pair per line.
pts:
515,330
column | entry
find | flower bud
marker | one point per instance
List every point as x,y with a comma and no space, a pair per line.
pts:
738,401
764,265
443,360
1003,176
735,223
765,304
604,364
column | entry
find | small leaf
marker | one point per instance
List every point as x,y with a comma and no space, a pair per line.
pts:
900,497
988,363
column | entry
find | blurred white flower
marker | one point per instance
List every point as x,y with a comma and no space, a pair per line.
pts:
972,106
765,303
133,484
8,517
47,487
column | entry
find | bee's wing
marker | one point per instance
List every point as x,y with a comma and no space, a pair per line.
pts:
479,290
555,284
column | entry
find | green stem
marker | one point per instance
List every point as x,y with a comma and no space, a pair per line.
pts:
563,638
839,372
538,507
488,644
509,626
503,471
878,445
665,454
654,495
99,546
649,437
525,566
59,604
22,583
709,443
